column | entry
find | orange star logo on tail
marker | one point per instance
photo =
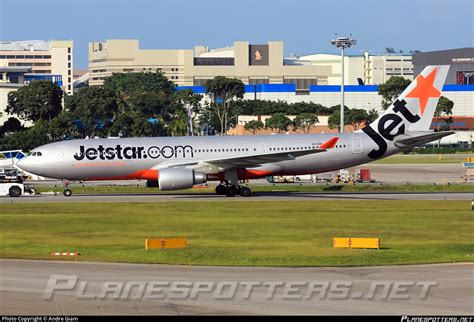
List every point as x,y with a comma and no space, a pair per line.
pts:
424,89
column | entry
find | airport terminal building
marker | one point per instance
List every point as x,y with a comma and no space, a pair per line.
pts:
251,63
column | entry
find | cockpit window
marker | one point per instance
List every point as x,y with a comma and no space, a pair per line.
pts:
39,154
36,154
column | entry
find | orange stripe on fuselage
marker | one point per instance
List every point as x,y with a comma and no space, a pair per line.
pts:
253,174
153,175
147,174
243,174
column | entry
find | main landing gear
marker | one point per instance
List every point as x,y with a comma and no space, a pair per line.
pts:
231,190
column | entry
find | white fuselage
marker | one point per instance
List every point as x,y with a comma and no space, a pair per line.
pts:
130,158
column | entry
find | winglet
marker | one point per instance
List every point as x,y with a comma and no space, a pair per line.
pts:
329,144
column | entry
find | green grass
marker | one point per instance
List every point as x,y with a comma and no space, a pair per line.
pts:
464,187
421,159
260,233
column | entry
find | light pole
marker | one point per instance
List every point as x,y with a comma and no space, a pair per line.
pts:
343,43
190,119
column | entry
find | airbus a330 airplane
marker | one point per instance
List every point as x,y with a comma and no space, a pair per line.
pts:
181,162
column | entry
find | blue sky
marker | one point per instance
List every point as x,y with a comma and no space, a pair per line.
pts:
304,26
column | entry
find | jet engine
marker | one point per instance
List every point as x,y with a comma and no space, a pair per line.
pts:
179,178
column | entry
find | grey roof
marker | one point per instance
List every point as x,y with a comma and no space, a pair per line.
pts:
11,85
15,69
27,45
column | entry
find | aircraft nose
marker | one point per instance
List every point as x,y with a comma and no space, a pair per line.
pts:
26,164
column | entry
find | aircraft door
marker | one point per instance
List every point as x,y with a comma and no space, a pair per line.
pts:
263,147
356,145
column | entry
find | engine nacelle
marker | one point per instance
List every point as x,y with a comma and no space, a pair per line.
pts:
179,178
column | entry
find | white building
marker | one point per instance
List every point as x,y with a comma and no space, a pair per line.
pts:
46,58
369,68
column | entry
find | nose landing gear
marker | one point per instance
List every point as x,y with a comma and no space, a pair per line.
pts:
67,192
231,190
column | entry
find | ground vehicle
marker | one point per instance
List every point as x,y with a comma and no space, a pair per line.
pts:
314,178
12,189
344,176
363,175
324,177
305,178
469,165
15,189
283,179
10,175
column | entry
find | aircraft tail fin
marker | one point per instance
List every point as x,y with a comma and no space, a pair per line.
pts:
417,103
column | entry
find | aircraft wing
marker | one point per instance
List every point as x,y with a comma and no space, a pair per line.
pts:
249,160
417,138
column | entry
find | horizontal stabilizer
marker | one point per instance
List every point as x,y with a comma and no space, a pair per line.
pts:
418,138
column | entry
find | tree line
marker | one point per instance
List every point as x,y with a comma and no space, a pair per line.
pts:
305,121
